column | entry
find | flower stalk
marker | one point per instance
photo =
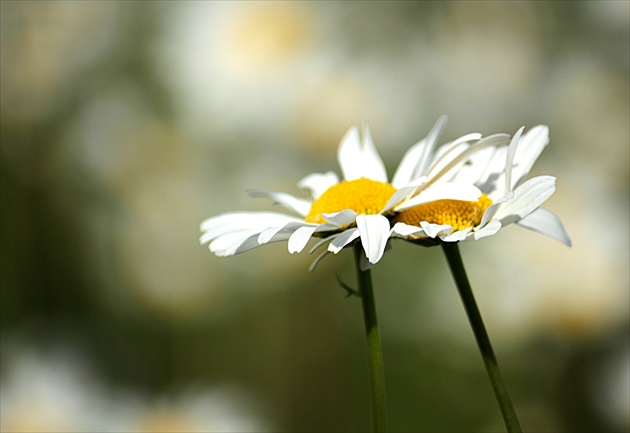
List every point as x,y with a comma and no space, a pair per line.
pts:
451,250
374,346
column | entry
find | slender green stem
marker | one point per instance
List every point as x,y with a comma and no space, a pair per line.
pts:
451,251
375,351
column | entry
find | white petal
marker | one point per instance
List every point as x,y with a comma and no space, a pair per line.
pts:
343,239
326,227
473,170
211,235
443,191
226,245
245,219
282,233
529,149
488,230
527,198
364,262
341,219
267,234
373,164
318,183
239,221
247,244
404,230
494,207
491,141
428,149
433,230
349,155
406,168
317,260
403,194
510,160
413,163
299,238
451,151
493,178
322,242
545,222
374,231
457,236
297,205
358,159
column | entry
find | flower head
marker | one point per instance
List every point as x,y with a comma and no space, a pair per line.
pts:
338,212
464,190
474,190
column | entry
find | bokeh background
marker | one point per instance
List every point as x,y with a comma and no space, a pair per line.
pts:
125,124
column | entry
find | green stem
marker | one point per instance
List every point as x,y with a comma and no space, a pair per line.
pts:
375,351
451,251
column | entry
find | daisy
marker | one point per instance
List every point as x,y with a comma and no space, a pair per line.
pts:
341,212
475,190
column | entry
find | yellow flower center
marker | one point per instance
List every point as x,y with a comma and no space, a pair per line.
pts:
364,196
458,213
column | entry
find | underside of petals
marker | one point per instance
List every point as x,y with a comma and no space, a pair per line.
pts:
374,230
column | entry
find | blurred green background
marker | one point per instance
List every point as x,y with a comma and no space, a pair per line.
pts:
125,124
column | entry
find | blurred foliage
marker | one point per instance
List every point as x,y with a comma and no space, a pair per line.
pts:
125,124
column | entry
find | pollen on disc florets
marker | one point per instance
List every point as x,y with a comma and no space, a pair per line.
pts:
364,196
460,214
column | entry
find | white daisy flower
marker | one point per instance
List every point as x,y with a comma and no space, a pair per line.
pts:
473,190
341,212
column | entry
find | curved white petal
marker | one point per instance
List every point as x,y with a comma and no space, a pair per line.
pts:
341,219
488,230
245,219
490,141
297,205
546,222
527,198
492,179
349,155
413,162
317,260
431,141
443,191
374,230
247,244
472,171
374,168
318,183
406,168
226,245
360,159
300,237
433,230
239,221
529,149
275,234
404,230
492,209
322,242
509,161
457,236
343,239
267,234
403,194
364,262
449,152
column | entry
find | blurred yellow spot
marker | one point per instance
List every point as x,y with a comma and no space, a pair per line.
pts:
457,213
261,37
166,421
40,417
364,196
